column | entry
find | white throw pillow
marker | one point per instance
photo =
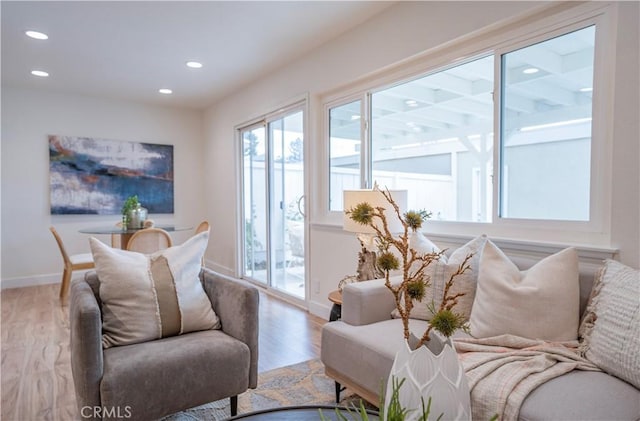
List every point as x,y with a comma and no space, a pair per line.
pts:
147,297
611,325
422,244
542,302
439,272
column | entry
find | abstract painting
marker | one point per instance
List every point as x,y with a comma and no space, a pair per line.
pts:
95,176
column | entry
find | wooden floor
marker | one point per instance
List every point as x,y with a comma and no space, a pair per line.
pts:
36,382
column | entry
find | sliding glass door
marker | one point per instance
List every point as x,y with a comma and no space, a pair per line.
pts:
254,208
273,201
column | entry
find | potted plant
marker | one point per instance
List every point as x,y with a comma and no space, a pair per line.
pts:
394,411
428,364
133,214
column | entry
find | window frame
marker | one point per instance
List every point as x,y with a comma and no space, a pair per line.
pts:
299,103
460,61
513,35
363,141
599,140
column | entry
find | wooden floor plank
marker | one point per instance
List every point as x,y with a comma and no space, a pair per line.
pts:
36,379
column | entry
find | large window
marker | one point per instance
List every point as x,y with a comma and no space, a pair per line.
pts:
434,134
546,129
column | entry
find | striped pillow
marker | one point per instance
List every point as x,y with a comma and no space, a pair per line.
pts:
610,328
439,272
147,297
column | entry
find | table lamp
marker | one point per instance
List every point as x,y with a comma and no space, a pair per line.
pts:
367,268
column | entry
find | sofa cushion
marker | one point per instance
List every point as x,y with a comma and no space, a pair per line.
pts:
439,272
146,297
611,325
539,303
172,366
359,353
582,395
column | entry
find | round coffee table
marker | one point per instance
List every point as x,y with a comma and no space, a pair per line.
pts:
300,413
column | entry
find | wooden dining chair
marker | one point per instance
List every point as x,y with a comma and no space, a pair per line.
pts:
71,262
204,225
149,240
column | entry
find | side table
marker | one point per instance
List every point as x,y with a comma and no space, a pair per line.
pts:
336,310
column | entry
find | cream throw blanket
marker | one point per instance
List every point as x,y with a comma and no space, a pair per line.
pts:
503,370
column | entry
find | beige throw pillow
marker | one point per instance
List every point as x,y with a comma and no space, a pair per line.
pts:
542,302
439,273
147,297
611,325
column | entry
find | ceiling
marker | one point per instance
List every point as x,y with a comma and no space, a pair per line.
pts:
129,50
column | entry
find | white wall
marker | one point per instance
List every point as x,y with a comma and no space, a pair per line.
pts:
29,252
625,186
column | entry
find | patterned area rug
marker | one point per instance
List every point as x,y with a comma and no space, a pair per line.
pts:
299,384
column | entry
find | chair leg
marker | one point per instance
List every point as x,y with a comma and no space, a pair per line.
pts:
338,390
64,286
234,405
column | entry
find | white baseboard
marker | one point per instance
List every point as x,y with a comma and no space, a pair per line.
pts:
320,310
55,278
219,268
29,281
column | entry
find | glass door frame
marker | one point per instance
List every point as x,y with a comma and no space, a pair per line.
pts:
300,105
242,224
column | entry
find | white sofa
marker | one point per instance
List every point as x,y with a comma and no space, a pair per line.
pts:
359,349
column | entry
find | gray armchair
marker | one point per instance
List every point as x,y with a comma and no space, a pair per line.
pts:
152,379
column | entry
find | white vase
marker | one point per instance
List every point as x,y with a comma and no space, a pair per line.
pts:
431,371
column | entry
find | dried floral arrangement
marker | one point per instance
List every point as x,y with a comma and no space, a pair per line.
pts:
412,265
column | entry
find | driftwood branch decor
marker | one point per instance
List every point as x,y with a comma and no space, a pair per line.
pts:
396,254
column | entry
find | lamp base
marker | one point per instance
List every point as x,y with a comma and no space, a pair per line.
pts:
367,267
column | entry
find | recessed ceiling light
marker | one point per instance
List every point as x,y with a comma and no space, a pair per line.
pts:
194,64
586,89
39,73
530,70
355,117
36,35
411,103
165,91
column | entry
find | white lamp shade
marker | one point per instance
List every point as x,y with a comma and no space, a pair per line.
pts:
376,199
